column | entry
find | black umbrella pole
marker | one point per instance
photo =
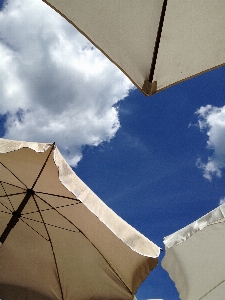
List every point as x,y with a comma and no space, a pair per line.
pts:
16,215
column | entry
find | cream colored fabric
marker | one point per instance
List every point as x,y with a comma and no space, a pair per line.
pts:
192,40
125,31
195,257
97,254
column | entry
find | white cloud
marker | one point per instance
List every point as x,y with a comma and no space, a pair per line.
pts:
56,86
212,119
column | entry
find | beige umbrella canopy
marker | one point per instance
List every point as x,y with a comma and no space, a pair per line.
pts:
58,239
156,43
195,257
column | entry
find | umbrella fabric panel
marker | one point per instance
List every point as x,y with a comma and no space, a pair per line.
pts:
86,270
54,214
125,31
195,257
192,40
79,219
217,293
84,274
197,265
121,257
27,268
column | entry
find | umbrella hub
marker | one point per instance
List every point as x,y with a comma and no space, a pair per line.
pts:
16,215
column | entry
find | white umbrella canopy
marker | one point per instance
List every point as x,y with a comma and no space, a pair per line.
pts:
156,43
58,239
195,257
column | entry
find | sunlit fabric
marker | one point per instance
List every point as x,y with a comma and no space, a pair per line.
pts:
65,243
195,257
192,39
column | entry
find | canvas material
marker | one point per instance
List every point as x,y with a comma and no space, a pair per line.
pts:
125,31
197,265
192,39
115,268
194,257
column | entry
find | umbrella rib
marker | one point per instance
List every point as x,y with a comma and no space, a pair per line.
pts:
212,289
52,148
13,174
52,207
65,197
89,241
33,229
12,184
52,225
157,42
50,241
6,196
9,195
33,212
9,213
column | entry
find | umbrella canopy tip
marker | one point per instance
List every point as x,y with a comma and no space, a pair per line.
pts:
149,88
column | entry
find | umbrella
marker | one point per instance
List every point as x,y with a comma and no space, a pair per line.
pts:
195,257
58,239
155,43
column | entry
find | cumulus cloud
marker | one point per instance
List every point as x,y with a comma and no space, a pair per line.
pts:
212,120
55,86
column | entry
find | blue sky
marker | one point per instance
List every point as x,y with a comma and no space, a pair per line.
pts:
148,172
138,154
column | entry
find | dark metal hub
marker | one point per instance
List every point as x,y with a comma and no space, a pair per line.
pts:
16,215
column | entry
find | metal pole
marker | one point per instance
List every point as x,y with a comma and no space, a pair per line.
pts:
158,37
16,215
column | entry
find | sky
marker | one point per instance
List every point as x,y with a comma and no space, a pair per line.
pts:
157,161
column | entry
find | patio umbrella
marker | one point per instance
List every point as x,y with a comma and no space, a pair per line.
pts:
195,257
58,239
156,43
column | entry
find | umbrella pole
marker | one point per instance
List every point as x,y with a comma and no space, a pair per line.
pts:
16,215
149,87
157,42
